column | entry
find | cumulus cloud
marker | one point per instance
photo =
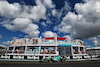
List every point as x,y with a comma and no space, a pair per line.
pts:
49,34
32,30
59,13
9,10
26,36
95,41
21,17
49,3
84,24
21,23
35,12
38,11
68,38
48,21
43,23
14,38
6,43
15,10
54,12
24,25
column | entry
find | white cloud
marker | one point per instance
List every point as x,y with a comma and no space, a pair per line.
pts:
8,26
15,10
6,43
0,36
54,12
24,25
26,36
95,40
21,23
14,38
68,38
49,34
34,12
48,21
43,23
65,29
59,13
9,10
21,17
38,11
84,24
32,30
49,3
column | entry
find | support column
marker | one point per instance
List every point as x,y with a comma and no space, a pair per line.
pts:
56,49
71,57
39,49
13,49
25,49
79,50
6,52
72,49
65,51
56,40
84,50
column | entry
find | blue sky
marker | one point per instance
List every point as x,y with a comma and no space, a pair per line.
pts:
78,19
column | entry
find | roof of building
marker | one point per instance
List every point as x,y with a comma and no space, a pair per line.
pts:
2,46
93,48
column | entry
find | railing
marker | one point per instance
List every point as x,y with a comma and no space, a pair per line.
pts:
9,51
75,43
53,42
48,51
67,43
37,52
19,51
48,42
32,52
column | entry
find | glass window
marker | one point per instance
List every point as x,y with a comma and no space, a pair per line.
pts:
82,50
47,50
68,50
32,50
75,50
20,49
61,50
10,50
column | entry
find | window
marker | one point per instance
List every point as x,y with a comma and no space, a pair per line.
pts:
75,50
20,49
47,50
81,50
10,50
32,50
